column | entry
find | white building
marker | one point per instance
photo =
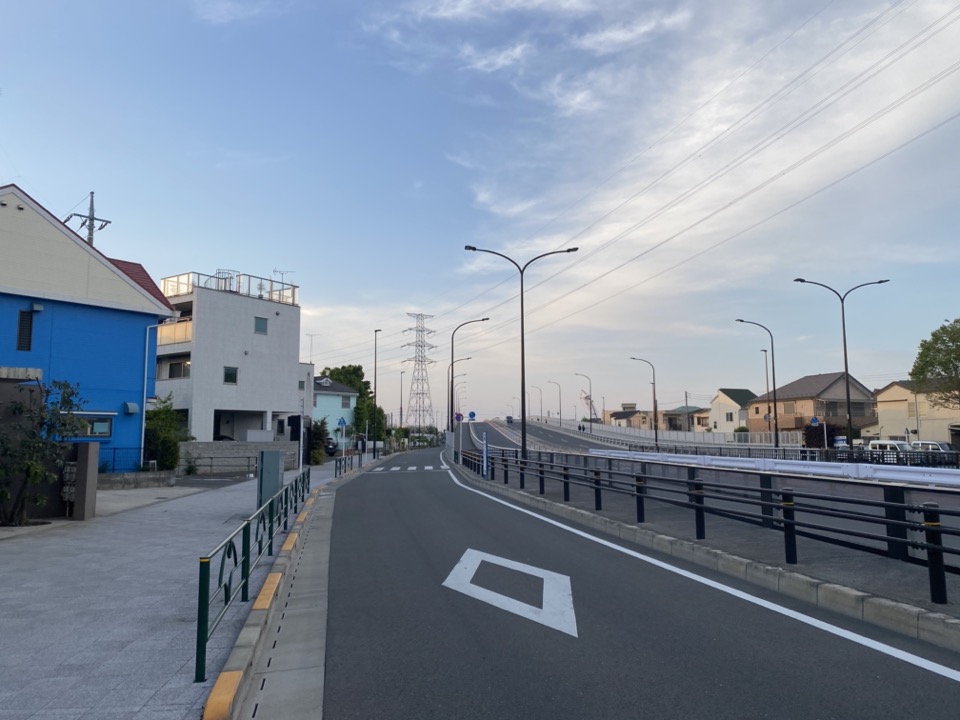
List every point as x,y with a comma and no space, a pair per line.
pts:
728,409
231,361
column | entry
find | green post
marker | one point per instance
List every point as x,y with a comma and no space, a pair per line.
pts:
203,620
245,561
271,513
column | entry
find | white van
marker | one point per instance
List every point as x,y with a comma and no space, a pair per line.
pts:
932,446
890,445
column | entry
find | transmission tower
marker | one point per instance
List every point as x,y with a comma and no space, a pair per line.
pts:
420,408
89,220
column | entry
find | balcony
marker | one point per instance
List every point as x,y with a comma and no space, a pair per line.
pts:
232,282
178,332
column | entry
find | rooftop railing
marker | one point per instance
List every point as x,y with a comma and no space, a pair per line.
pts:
233,282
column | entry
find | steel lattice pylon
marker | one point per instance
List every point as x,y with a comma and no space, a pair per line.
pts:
419,403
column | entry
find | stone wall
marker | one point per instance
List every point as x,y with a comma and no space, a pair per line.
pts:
231,458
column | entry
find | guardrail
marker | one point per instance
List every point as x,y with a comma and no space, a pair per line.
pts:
771,501
255,536
342,465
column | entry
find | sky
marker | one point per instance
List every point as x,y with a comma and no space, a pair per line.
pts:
700,156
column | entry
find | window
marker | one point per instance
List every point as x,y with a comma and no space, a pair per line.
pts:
789,408
729,417
756,409
260,325
345,401
97,426
178,369
230,375
302,385
25,330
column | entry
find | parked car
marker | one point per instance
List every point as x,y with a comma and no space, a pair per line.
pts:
933,446
330,446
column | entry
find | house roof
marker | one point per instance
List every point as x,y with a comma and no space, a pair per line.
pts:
139,274
809,386
624,414
326,385
684,410
909,385
741,396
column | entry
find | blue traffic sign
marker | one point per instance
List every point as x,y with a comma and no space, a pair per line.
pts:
459,417
814,421
472,415
341,422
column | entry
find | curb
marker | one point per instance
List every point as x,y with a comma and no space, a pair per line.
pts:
917,623
231,685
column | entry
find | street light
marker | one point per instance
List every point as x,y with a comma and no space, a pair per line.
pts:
541,401
773,371
375,333
452,335
843,326
559,403
401,402
523,368
450,392
590,404
656,423
766,374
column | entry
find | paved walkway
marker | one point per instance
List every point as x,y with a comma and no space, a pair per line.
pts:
98,618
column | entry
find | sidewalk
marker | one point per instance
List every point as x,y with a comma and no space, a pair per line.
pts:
98,618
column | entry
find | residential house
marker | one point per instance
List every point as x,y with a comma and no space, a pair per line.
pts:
728,409
904,414
680,419
629,416
822,396
701,420
334,402
68,312
231,361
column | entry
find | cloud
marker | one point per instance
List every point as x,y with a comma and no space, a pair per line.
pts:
461,10
486,198
492,60
618,37
223,12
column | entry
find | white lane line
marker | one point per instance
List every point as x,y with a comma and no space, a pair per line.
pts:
907,657
556,609
428,467
394,469
377,469
412,467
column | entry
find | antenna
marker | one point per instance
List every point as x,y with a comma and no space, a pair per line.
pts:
281,273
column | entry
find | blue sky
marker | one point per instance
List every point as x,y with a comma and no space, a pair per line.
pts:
701,155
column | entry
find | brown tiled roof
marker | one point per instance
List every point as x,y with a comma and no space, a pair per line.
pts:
810,386
137,273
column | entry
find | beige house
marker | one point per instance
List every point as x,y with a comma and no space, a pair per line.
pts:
903,414
821,396
729,410
628,416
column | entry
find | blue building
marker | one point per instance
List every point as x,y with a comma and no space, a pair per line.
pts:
333,401
67,312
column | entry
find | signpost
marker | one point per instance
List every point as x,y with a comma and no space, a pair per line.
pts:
342,424
814,421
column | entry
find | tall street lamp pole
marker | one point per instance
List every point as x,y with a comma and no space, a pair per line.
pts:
523,368
401,400
541,401
375,414
773,370
766,374
452,336
590,398
559,403
450,383
656,422
843,326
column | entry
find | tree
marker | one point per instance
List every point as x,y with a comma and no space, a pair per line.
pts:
936,370
35,433
164,430
351,376
363,413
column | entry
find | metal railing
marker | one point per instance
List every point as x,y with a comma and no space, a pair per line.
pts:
234,566
892,527
191,464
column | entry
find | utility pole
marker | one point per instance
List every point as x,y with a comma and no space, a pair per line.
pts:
88,221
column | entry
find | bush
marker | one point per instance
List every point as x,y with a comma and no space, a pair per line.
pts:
318,457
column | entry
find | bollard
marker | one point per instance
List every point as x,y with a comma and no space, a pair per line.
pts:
541,478
935,568
789,527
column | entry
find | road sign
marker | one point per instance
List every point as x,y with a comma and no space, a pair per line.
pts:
814,422
472,415
459,417
341,422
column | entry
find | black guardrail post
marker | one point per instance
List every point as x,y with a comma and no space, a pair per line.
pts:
695,495
540,465
640,489
493,469
566,483
203,621
895,510
506,471
245,561
523,468
789,527
938,578
597,500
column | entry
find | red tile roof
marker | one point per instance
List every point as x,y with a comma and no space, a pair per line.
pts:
137,273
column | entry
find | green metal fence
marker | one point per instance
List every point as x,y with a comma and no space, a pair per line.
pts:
234,565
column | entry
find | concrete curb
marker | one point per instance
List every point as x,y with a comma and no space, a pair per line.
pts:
231,685
918,623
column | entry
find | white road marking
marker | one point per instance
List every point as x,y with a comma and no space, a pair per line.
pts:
428,467
412,467
394,468
557,603
907,657
377,469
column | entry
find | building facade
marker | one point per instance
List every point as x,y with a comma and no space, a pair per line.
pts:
904,414
231,360
67,312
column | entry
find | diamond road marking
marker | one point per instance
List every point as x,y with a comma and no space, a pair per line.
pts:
557,605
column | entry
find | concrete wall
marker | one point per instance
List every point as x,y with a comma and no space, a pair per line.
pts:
232,458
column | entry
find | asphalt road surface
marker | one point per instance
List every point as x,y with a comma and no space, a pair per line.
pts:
446,603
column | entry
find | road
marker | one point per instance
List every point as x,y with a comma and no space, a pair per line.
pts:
446,603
